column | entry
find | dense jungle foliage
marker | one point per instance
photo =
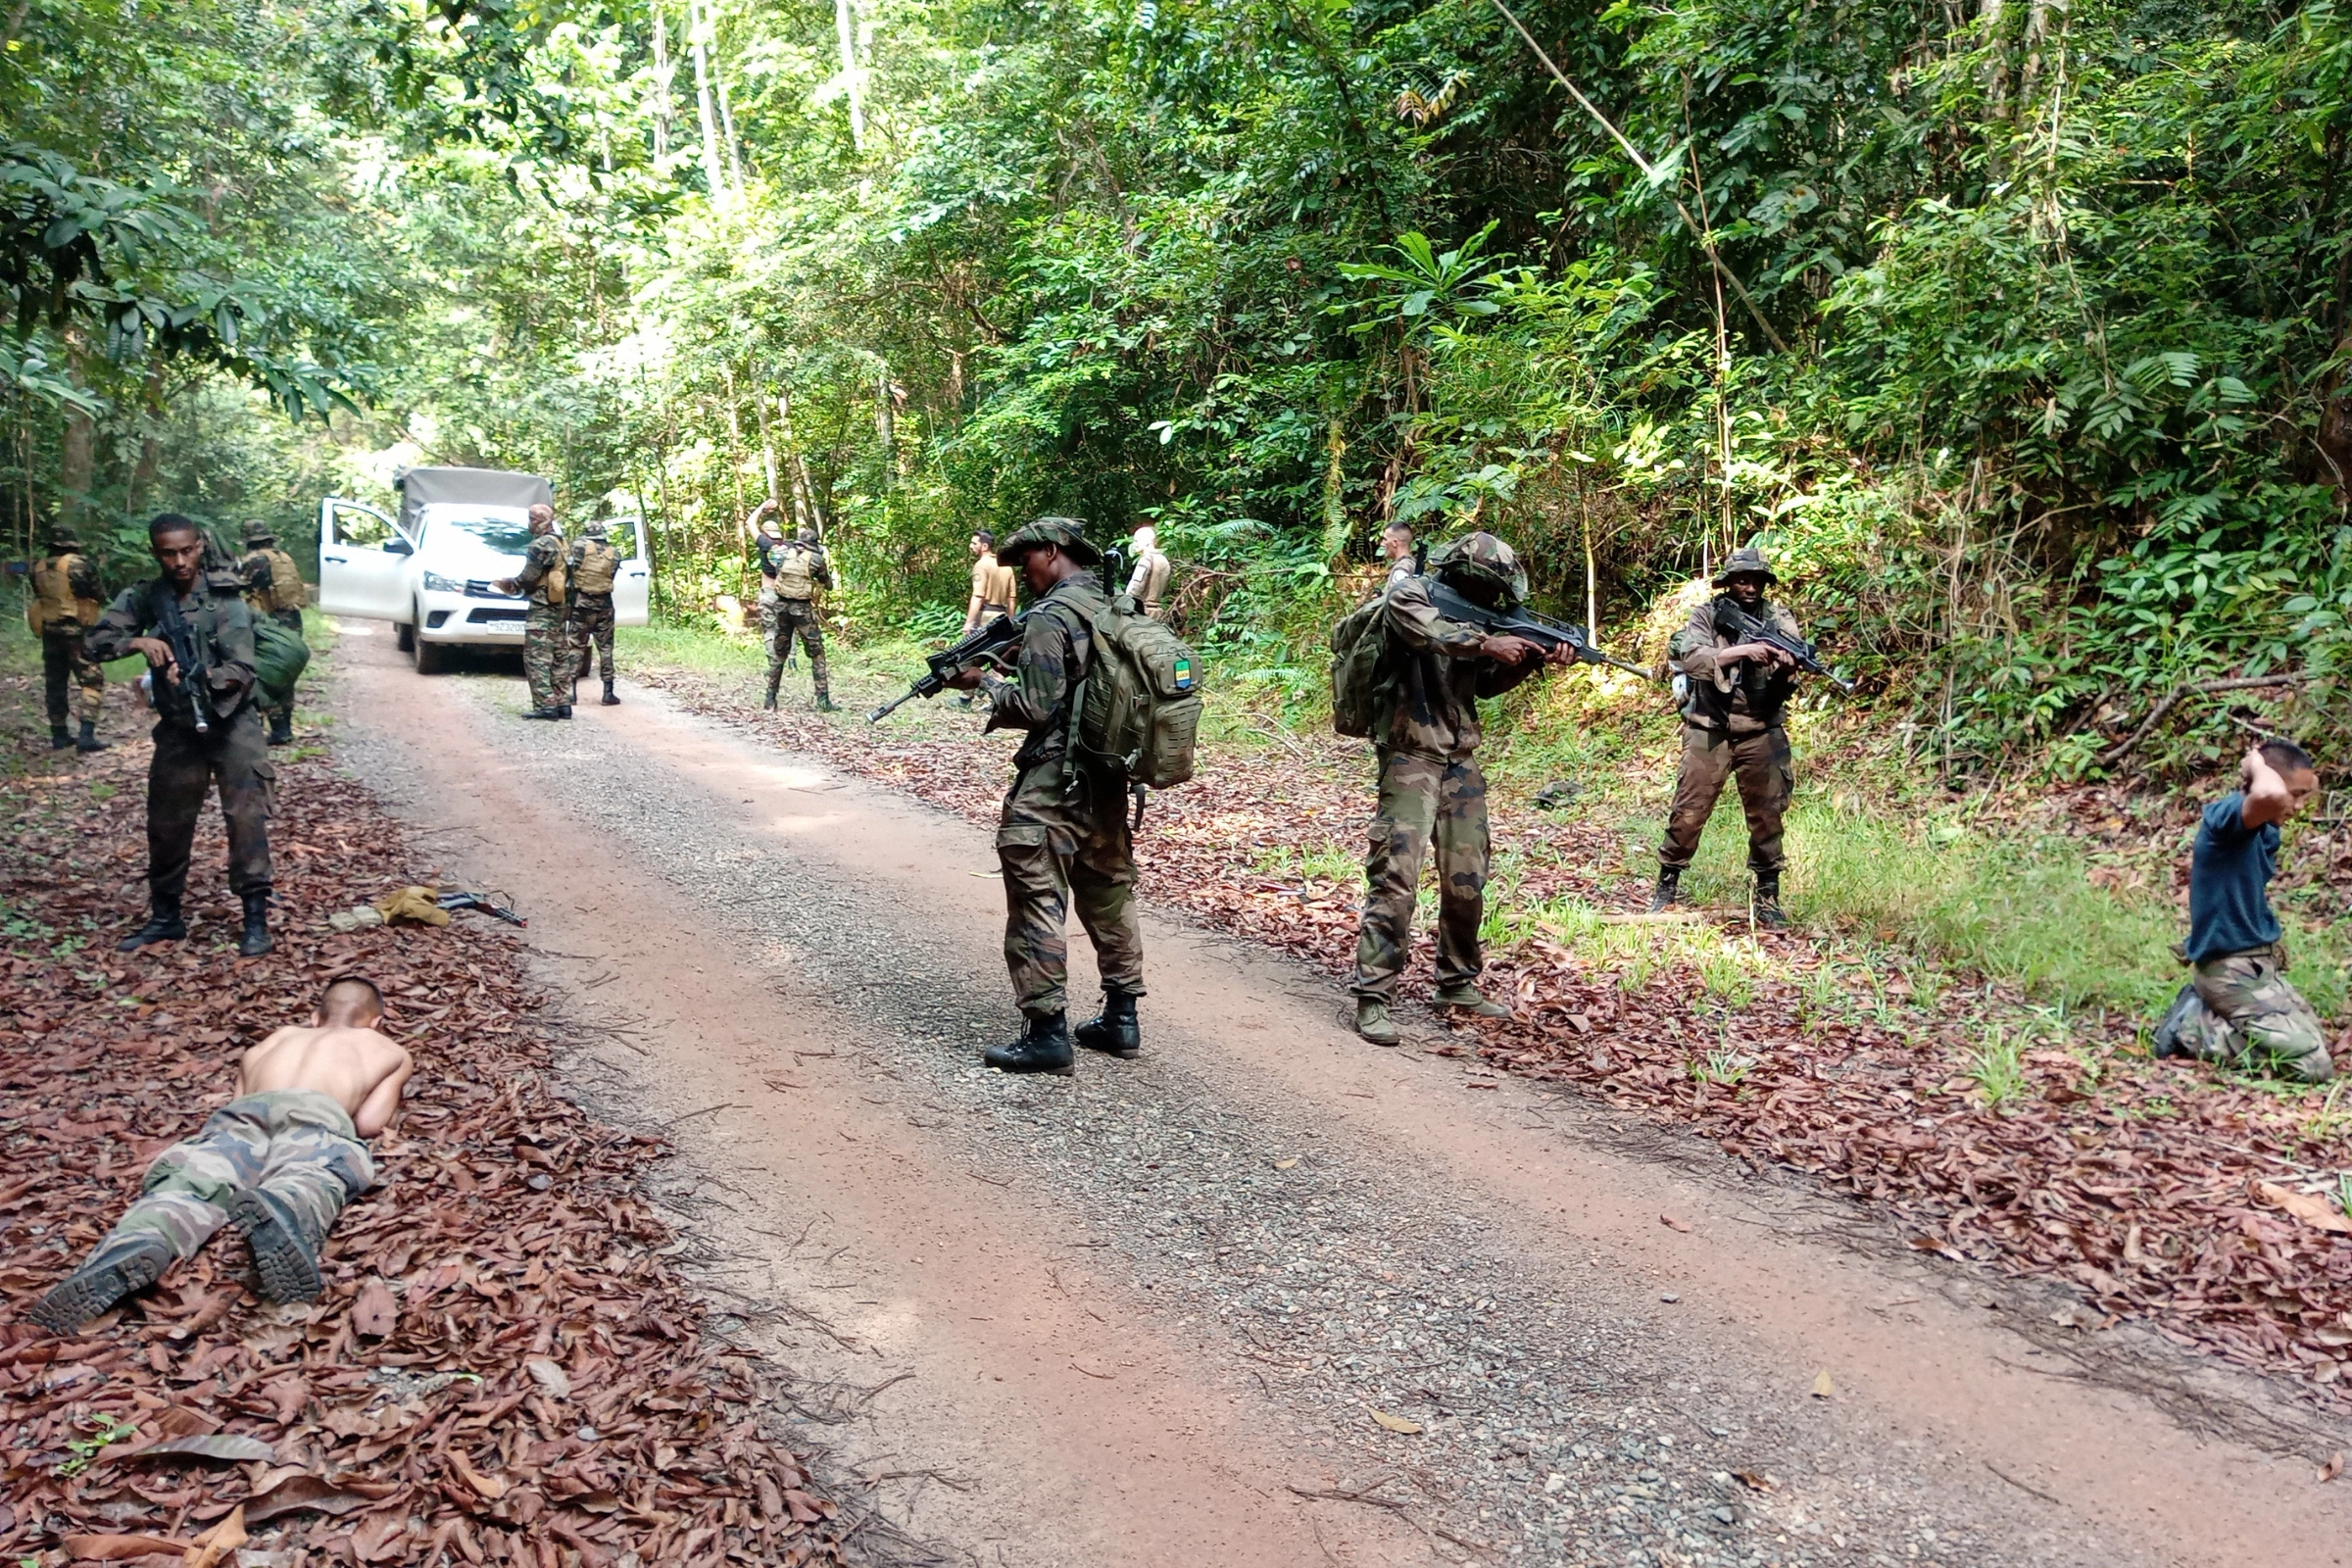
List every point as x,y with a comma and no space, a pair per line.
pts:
2016,328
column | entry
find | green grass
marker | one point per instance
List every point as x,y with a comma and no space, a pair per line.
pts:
1997,1066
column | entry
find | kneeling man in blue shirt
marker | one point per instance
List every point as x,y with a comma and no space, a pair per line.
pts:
2239,1009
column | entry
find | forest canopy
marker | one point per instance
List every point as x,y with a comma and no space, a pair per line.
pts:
2016,329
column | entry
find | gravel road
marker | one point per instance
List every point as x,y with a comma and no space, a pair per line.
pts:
1309,1301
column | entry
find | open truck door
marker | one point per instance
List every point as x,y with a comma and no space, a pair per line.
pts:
633,587
362,562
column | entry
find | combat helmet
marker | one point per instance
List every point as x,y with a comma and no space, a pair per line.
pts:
1066,534
1747,559
594,528
1483,566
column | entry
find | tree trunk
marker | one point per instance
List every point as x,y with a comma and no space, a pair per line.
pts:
661,30
714,172
845,25
886,427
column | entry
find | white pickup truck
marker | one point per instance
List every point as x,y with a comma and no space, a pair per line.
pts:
430,571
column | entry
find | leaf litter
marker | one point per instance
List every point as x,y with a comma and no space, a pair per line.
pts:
504,1367
2207,1206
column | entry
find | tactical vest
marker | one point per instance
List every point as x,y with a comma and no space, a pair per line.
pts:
599,565
1766,690
796,574
53,601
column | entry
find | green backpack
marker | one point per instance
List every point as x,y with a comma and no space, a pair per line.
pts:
1139,708
1357,667
280,656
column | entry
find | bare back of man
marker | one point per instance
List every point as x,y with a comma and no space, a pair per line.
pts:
354,1067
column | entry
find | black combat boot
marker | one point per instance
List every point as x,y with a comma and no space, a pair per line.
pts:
164,924
281,730
543,712
101,1283
89,741
60,737
1768,913
773,676
1116,1032
2166,1041
564,712
256,940
608,700
1044,1045
285,1254
824,703
1670,890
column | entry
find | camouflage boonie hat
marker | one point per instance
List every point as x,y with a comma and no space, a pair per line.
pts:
1746,558
594,528
257,532
61,536
1067,534
1481,558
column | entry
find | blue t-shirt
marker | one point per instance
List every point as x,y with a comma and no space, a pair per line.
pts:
2229,883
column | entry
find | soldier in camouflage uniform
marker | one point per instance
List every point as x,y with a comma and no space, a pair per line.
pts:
796,568
547,658
274,587
231,749
279,1160
1062,832
1734,692
61,610
2239,1009
1431,788
589,570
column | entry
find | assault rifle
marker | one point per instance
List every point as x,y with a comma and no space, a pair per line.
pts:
1542,630
192,669
984,644
457,899
1732,622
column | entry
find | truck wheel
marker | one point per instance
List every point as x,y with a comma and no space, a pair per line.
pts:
432,657
404,636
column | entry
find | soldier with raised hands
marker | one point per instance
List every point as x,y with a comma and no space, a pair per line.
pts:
796,568
63,610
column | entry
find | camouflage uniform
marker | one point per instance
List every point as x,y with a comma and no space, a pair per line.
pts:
1060,835
298,1146
270,578
234,752
2241,1011
545,646
590,613
800,567
1730,729
62,608
1431,786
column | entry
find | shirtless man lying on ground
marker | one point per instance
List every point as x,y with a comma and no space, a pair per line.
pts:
280,1159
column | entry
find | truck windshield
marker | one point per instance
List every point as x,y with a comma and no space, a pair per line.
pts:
510,536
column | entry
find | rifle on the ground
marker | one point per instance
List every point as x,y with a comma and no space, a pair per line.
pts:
459,900
1750,629
1542,630
999,633
182,642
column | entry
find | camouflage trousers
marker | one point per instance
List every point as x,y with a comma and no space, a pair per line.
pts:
296,1144
1050,851
2245,1013
547,657
592,631
1767,776
1421,800
185,766
794,618
63,657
